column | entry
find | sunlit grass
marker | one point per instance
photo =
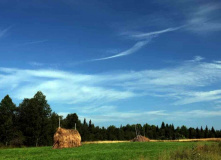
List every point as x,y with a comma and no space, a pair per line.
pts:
100,151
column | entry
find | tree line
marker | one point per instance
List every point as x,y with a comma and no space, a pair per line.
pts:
33,123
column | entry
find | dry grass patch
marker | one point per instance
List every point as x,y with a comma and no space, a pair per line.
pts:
199,152
97,142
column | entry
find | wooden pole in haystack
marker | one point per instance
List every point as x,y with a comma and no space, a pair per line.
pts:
136,129
59,122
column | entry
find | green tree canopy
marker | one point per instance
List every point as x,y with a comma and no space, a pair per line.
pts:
34,119
7,119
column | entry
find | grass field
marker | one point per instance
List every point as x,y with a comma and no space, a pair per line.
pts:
100,151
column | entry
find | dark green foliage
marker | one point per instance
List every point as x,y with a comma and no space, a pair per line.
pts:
206,132
212,133
34,124
112,133
184,131
7,120
70,121
34,120
53,125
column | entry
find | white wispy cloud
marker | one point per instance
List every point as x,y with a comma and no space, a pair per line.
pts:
124,117
184,83
59,86
4,31
181,82
195,74
196,114
154,33
95,109
217,62
202,19
45,65
113,115
31,43
205,18
193,97
73,92
145,39
36,64
131,50
92,96
197,59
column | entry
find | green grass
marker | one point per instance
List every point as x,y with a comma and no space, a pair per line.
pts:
115,151
198,152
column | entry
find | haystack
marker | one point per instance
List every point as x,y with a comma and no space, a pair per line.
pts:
140,138
66,138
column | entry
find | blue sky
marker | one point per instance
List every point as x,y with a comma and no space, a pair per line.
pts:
115,62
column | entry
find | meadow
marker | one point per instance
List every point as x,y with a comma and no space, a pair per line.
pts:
104,151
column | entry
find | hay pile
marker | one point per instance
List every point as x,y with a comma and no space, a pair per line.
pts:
140,138
66,138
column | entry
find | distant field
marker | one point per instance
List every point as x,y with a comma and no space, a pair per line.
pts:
180,140
100,151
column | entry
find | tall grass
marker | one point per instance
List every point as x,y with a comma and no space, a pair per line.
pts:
198,152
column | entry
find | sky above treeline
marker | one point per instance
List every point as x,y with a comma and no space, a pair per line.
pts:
115,62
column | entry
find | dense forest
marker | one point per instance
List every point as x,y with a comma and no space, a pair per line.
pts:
33,123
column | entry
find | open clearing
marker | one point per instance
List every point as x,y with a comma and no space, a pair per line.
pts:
100,151
179,140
